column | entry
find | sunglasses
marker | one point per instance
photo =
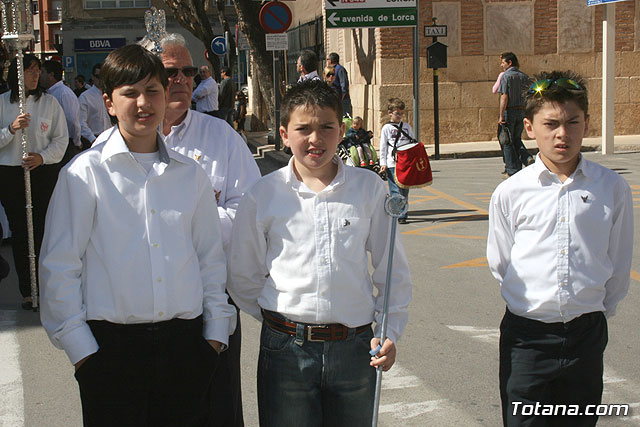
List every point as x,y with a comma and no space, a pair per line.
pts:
187,71
330,74
542,85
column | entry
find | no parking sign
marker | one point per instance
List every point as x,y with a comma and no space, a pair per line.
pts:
275,17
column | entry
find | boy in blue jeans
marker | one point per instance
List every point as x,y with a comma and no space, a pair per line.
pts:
560,244
132,266
299,263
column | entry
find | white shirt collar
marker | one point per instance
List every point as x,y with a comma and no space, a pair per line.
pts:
115,144
299,186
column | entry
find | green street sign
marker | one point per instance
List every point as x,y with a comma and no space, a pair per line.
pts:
359,18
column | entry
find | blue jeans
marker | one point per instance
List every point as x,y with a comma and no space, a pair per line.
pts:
515,154
313,384
394,189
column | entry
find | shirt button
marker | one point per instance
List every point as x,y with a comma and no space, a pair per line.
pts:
161,314
155,245
562,252
159,280
562,219
153,211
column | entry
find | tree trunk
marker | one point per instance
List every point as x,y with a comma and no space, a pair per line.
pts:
248,20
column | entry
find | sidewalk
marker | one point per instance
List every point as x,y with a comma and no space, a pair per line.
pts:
459,150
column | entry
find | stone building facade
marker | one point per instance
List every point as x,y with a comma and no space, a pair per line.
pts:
544,34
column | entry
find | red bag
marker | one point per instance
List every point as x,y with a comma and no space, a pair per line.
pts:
412,167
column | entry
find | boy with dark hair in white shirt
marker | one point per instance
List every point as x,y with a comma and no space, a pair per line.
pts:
132,264
560,243
299,262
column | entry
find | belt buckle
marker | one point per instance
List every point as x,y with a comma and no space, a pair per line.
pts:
310,331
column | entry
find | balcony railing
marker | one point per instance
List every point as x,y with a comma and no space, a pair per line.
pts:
53,15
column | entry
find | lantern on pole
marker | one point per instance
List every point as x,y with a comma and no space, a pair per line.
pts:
156,22
17,34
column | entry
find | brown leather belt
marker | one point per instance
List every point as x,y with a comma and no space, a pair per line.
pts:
313,333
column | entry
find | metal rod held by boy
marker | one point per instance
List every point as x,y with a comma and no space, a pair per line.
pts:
17,33
395,206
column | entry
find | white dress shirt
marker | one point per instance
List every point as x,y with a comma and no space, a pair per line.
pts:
130,246
309,76
94,118
560,250
47,132
71,107
206,95
223,155
304,254
388,137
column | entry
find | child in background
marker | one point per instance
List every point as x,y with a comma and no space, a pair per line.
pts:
359,138
299,263
394,135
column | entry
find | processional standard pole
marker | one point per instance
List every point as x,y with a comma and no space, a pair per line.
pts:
17,34
156,23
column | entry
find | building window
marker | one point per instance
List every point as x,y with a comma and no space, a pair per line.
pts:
34,7
36,35
115,4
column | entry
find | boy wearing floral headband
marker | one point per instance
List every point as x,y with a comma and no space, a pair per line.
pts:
560,244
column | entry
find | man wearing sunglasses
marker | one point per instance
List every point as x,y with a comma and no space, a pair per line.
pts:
512,86
225,157
206,94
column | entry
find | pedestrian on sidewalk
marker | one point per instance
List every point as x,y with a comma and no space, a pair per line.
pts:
300,264
512,86
560,244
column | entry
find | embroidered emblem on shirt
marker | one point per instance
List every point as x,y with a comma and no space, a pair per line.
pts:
346,223
584,198
44,127
217,193
197,157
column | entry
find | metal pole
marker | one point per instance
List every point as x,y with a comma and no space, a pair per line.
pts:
416,80
608,78
395,206
276,101
436,113
17,26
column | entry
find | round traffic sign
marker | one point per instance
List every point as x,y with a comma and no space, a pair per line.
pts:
275,17
219,45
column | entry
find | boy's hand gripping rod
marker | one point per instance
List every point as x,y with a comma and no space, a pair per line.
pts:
395,206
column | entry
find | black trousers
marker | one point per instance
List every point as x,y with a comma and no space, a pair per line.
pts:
227,390
43,181
551,364
157,374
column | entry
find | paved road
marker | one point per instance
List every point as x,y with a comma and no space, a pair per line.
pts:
446,374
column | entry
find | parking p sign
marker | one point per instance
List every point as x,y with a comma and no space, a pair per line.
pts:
69,62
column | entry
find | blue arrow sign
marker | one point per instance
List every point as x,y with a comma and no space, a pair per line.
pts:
219,45
596,2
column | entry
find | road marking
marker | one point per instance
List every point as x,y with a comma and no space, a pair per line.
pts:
476,262
410,410
456,201
11,392
488,335
399,377
261,149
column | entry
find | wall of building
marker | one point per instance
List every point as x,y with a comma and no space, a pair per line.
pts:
107,27
544,34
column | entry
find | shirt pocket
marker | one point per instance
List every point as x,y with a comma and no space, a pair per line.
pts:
352,236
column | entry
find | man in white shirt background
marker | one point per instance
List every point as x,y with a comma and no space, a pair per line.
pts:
232,170
51,80
307,66
206,94
94,118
